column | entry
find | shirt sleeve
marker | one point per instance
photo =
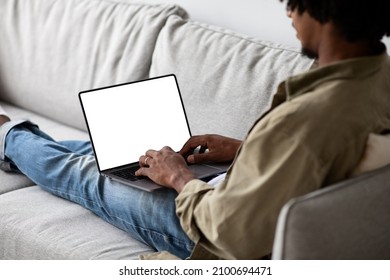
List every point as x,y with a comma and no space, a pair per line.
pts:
237,219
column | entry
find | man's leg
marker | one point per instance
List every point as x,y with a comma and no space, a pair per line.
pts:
148,217
78,146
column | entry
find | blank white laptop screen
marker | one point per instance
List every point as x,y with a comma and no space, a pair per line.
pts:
126,120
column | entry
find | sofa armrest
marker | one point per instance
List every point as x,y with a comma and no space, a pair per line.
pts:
349,220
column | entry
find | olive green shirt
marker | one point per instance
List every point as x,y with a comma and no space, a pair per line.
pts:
313,136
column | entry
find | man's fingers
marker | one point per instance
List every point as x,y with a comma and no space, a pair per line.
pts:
199,158
143,161
202,149
167,149
142,172
192,144
151,153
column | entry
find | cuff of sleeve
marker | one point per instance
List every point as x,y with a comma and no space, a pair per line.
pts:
164,255
187,202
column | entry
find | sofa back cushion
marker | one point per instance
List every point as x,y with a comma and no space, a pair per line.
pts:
226,79
50,50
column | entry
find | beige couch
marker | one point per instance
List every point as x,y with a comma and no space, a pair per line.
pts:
52,49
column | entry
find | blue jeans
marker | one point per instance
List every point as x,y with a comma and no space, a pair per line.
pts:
68,169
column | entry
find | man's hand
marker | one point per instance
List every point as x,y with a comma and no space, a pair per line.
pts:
213,148
166,168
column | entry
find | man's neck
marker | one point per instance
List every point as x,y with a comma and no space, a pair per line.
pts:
334,50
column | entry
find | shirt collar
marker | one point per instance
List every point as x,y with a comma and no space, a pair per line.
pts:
345,69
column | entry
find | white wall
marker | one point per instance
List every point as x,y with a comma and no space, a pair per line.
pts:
262,19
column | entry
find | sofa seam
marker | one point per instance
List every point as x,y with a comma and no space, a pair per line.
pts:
248,39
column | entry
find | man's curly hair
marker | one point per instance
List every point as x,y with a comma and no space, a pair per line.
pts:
357,20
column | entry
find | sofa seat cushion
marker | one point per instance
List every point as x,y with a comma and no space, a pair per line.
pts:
227,80
37,225
54,49
11,182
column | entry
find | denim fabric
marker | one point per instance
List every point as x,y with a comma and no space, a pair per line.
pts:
68,169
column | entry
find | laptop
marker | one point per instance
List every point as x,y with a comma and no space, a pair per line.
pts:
126,120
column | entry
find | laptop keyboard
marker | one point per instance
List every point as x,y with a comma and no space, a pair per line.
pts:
128,173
